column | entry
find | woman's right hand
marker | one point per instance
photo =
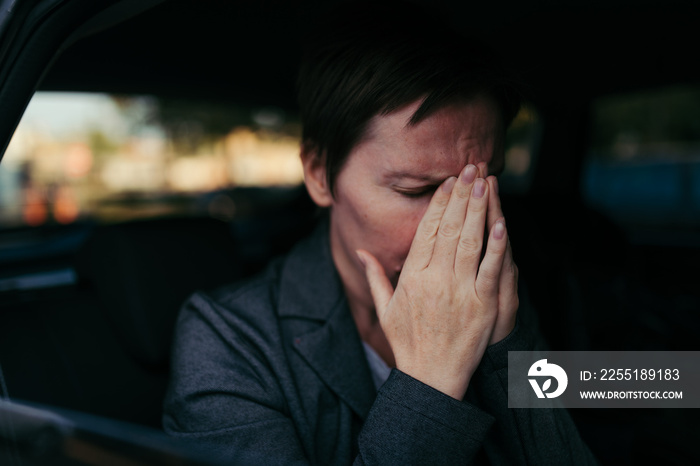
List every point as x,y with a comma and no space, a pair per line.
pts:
445,308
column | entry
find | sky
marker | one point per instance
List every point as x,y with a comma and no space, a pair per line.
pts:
61,113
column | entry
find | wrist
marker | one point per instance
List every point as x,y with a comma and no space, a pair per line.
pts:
453,383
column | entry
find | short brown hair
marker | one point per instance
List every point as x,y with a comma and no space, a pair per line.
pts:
371,58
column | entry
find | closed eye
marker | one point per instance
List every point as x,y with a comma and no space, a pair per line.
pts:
415,193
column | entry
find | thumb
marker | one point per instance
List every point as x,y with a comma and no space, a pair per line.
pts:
379,284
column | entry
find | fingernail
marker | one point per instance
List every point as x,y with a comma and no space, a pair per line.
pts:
479,188
495,184
449,184
362,259
469,174
499,230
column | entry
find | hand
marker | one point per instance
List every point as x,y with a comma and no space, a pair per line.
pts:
446,306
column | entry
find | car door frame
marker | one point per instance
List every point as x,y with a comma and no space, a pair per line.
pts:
33,33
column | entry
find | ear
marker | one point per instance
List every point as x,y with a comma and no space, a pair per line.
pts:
315,175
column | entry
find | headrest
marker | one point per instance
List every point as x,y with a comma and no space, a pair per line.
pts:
144,270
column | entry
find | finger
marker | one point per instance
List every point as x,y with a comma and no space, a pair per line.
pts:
424,240
483,169
508,285
452,221
494,211
489,275
508,302
472,236
379,284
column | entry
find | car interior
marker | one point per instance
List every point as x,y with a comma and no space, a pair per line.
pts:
601,189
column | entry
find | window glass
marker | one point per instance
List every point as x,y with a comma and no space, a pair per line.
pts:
521,149
643,167
114,158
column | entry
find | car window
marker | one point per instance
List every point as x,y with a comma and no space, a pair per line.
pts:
113,158
643,167
521,150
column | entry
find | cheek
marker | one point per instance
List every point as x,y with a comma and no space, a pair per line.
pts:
380,221
400,222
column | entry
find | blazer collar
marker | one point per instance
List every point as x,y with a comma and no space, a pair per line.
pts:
310,286
311,289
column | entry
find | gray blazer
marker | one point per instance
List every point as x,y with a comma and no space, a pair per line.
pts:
272,371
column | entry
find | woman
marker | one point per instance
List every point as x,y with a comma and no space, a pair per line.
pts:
383,337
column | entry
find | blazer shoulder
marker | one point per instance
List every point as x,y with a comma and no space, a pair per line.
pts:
249,304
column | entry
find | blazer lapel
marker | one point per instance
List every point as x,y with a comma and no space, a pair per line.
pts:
311,289
335,352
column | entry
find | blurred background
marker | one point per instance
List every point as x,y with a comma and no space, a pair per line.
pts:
161,156
104,158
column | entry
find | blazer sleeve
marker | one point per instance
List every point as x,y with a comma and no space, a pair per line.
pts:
412,423
523,436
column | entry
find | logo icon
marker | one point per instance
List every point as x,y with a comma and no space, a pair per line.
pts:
542,368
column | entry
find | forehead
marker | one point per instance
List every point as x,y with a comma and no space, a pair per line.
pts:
441,144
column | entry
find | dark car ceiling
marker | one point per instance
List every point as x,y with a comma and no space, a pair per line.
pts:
247,51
